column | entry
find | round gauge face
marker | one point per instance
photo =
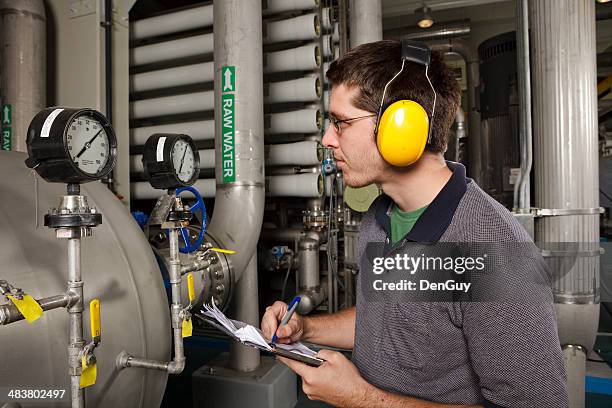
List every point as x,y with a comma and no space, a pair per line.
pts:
183,160
87,144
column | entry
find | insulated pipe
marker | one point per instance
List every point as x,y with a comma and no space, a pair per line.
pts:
278,6
170,105
244,358
75,314
169,77
301,121
305,153
437,32
365,21
169,23
566,168
22,68
300,28
307,120
170,50
522,188
290,185
473,81
244,52
460,132
304,58
238,43
306,89
197,130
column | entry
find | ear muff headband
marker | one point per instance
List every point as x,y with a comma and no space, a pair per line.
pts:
404,128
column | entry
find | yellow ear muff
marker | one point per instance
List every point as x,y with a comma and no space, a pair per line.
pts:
402,133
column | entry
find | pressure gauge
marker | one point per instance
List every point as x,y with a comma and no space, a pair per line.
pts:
71,145
170,161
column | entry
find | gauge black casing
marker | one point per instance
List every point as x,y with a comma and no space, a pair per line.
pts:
161,173
50,157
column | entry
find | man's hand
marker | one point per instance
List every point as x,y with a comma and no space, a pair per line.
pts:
289,333
337,381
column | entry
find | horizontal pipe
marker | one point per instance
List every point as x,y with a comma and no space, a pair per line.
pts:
170,77
171,105
170,23
306,153
295,185
308,120
304,58
437,32
170,50
306,89
10,314
200,17
300,28
279,6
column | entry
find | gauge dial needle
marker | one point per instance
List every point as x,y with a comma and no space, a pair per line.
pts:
183,160
88,144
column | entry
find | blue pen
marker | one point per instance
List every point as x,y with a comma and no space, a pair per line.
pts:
290,309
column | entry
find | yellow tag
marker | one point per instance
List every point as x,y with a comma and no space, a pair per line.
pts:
190,287
223,251
29,308
187,327
89,374
94,317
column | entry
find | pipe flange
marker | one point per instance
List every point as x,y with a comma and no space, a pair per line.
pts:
575,347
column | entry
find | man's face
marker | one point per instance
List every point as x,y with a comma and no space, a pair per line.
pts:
354,145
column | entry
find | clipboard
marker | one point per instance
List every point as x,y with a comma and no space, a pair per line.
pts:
276,348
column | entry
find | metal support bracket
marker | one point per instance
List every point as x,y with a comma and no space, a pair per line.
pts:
559,212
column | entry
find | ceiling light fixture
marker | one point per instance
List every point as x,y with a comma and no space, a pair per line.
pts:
425,19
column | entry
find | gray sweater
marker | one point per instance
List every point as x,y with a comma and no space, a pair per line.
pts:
494,353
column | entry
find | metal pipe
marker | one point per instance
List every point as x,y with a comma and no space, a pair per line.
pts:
438,32
169,23
233,224
246,309
365,21
473,81
108,75
300,28
177,364
76,341
10,314
23,68
460,132
170,105
522,187
309,283
566,166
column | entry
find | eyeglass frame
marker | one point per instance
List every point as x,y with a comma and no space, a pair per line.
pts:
336,122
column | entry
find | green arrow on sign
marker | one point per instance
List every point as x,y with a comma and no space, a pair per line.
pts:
229,78
6,114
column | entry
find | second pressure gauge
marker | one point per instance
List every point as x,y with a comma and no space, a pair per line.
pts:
71,145
171,161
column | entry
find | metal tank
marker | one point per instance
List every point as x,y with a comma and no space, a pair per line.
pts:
118,267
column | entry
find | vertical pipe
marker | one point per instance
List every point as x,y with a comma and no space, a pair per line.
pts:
175,308
23,68
365,21
75,312
239,203
522,188
246,309
566,169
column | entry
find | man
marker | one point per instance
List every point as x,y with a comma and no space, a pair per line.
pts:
422,354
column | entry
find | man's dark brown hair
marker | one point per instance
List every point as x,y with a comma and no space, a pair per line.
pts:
370,66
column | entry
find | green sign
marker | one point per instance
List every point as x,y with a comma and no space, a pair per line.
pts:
7,114
228,165
6,138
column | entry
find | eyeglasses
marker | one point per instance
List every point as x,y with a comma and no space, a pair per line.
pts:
336,122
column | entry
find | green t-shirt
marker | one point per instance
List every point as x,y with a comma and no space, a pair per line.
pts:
403,221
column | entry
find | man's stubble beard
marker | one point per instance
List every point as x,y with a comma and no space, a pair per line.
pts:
368,167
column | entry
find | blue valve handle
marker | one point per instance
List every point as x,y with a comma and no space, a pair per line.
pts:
199,205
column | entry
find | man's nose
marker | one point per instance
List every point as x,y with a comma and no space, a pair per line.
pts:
330,138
